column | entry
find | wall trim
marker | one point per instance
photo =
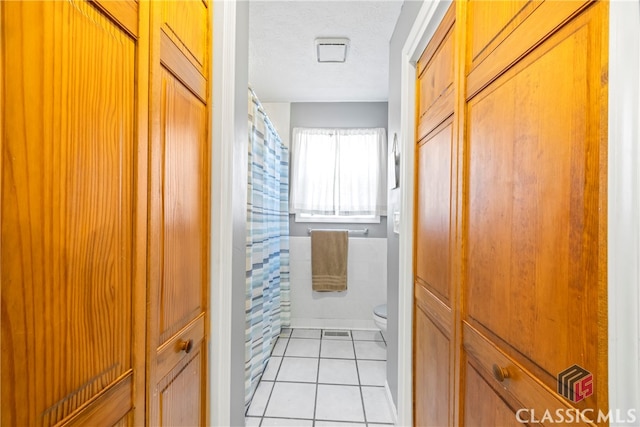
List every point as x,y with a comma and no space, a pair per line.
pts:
223,135
624,206
423,28
394,410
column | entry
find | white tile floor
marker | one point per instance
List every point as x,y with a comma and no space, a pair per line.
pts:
320,381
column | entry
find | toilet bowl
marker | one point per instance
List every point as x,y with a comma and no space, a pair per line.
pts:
380,316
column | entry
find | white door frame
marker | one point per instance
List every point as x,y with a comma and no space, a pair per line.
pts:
223,68
624,207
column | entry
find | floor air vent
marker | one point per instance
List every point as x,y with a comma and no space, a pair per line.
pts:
346,334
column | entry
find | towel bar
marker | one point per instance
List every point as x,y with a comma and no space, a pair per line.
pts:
364,231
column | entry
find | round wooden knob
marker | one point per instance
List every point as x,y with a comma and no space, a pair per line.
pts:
186,346
500,373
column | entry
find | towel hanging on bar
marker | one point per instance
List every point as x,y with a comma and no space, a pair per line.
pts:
364,231
329,260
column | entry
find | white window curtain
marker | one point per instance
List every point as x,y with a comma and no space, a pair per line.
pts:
339,172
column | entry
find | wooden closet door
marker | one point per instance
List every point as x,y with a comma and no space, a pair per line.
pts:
72,213
179,213
433,339
434,298
535,287
510,220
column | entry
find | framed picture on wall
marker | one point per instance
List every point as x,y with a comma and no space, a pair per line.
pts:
395,155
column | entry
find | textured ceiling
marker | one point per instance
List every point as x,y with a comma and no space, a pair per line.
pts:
282,61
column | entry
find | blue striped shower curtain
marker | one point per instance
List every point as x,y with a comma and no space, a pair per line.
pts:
267,284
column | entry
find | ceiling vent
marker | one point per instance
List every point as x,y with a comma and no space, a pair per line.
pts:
332,50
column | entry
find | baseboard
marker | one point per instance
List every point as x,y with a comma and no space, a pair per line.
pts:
357,324
394,410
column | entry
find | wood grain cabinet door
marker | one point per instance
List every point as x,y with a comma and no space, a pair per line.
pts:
179,213
510,212
434,300
433,316
536,208
70,213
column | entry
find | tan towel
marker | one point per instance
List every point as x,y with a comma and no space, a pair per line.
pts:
329,260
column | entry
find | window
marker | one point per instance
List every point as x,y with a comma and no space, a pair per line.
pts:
338,174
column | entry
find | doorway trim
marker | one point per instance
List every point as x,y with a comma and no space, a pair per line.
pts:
624,207
223,68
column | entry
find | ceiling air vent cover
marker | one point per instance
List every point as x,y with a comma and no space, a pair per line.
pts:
332,50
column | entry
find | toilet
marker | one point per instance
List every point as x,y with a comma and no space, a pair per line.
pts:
380,317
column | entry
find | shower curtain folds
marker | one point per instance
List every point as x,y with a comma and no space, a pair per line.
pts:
267,244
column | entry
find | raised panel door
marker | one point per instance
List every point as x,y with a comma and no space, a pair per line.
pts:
433,357
183,241
433,207
181,248
483,405
432,371
68,214
511,382
126,421
186,22
435,77
536,196
182,384
179,215
500,33
489,22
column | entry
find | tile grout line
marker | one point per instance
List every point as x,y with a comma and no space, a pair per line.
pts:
317,379
315,400
275,380
355,356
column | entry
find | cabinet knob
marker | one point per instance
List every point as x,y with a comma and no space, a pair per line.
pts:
186,346
500,373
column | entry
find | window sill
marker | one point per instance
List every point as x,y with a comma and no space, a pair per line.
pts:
337,219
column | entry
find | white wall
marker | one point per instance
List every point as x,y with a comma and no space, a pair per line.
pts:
339,114
280,115
403,26
352,309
